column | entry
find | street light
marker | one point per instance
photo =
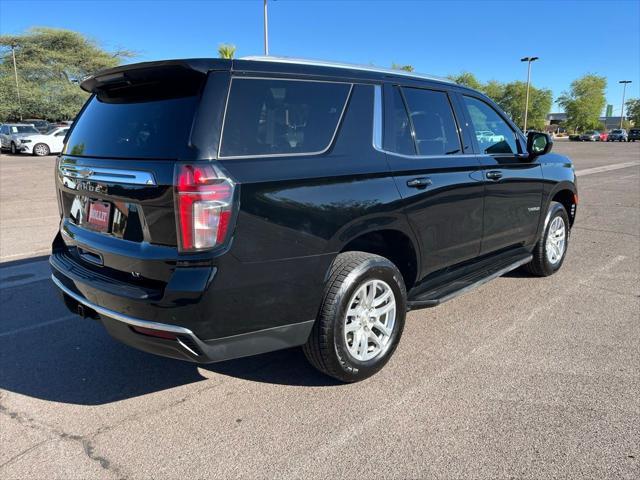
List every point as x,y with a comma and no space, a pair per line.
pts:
266,30
526,105
15,71
624,87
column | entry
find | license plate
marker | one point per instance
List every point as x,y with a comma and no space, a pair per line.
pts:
99,214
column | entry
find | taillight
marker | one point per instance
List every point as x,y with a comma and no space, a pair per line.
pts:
204,203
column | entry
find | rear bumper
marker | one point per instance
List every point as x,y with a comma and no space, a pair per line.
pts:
186,345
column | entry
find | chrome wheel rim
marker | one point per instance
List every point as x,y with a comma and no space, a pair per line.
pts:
556,240
40,150
370,320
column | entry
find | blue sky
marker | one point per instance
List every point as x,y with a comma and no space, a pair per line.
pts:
439,37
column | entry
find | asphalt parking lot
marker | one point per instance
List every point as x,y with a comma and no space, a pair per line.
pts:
524,377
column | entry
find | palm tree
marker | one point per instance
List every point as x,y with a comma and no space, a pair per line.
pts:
226,50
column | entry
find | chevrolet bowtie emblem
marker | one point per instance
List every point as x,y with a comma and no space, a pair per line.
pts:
85,172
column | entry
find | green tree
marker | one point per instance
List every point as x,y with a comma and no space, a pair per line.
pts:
494,90
466,79
513,101
584,102
51,63
632,110
226,50
406,68
511,98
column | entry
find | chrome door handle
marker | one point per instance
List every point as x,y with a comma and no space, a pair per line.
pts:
494,175
421,182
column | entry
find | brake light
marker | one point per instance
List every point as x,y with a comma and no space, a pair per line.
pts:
204,203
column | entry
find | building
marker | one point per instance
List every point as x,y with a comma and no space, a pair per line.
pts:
558,118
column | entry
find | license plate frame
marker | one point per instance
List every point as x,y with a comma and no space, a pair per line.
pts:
99,215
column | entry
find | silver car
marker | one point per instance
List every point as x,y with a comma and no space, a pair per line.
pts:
10,134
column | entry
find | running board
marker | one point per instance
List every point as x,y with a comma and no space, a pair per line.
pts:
434,296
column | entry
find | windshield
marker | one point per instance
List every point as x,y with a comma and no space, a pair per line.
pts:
617,131
23,129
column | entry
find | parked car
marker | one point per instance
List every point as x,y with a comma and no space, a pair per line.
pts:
43,144
634,134
590,136
618,135
41,125
485,136
10,133
604,136
244,206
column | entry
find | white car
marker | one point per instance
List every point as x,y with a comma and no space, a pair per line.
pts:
43,143
10,132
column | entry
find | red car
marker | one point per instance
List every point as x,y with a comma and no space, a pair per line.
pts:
604,136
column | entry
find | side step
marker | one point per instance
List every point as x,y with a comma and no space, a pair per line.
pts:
433,294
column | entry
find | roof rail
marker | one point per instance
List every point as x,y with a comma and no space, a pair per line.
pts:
351,66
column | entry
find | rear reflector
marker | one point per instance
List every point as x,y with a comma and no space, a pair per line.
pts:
154,333
204,201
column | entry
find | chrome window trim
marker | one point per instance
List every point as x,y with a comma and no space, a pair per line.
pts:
377,117
110,175
272,155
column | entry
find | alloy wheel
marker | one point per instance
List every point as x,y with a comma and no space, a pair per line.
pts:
556,240
370,320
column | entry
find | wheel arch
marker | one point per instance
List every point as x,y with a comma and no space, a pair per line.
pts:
566,194
397,245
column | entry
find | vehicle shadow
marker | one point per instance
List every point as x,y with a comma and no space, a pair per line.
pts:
50,354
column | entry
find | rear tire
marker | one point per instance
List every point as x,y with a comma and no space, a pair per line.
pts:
549,253
359,288
41,149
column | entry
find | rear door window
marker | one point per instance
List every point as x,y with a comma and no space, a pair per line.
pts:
397,128
281,117
433,122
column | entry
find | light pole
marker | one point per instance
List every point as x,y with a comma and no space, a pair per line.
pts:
624,87
526,105
15,71
266,30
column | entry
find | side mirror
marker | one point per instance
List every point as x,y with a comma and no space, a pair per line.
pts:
538,143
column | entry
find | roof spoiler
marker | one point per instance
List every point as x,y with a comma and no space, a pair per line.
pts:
151,72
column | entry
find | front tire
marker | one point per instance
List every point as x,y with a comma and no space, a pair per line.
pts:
361,317
41,149
551,249
14,150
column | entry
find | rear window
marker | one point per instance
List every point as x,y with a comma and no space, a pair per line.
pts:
133,129
23,129
281,117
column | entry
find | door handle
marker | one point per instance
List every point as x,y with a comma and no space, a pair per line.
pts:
494,175
422,182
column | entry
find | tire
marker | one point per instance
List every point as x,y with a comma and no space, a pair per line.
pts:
14,150
541,265
41,149
335,352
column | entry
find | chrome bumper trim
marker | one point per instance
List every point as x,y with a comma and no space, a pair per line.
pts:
121,316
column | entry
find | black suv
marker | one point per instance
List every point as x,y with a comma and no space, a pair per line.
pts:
212,209
634,134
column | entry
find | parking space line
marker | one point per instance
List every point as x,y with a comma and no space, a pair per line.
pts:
605,168
38,325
